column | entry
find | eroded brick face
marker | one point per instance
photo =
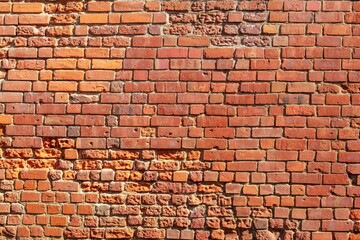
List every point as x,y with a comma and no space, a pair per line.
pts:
180,119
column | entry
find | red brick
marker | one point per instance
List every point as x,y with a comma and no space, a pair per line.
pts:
35,208
218,53
211,143
219,155
99,6
219,133
134,121
337,6
337,225
301,41
23,53
58,221
242,76
336,30
53,232
349,157
135,143
140,41
264,64
291,144
330,17
241,166
352,17
327,65
128,6
329,41
40,174
165,143
250,155
307,202
194,41
89,143
85,209
138,64
282,155
30,19
259,99
20,130
65,186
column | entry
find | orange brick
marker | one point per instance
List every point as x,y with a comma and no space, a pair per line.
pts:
180,176
32,19
136,18
69,75
269,29
27,8
5,7
6,119
61,64
95,18
61,86
106,64
99,6
27,75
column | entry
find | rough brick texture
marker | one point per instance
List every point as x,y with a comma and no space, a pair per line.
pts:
180,119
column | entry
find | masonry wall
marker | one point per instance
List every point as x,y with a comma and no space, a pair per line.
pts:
180,119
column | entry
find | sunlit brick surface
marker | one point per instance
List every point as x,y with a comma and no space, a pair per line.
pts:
180,119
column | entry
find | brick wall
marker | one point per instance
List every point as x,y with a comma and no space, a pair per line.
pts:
180,119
